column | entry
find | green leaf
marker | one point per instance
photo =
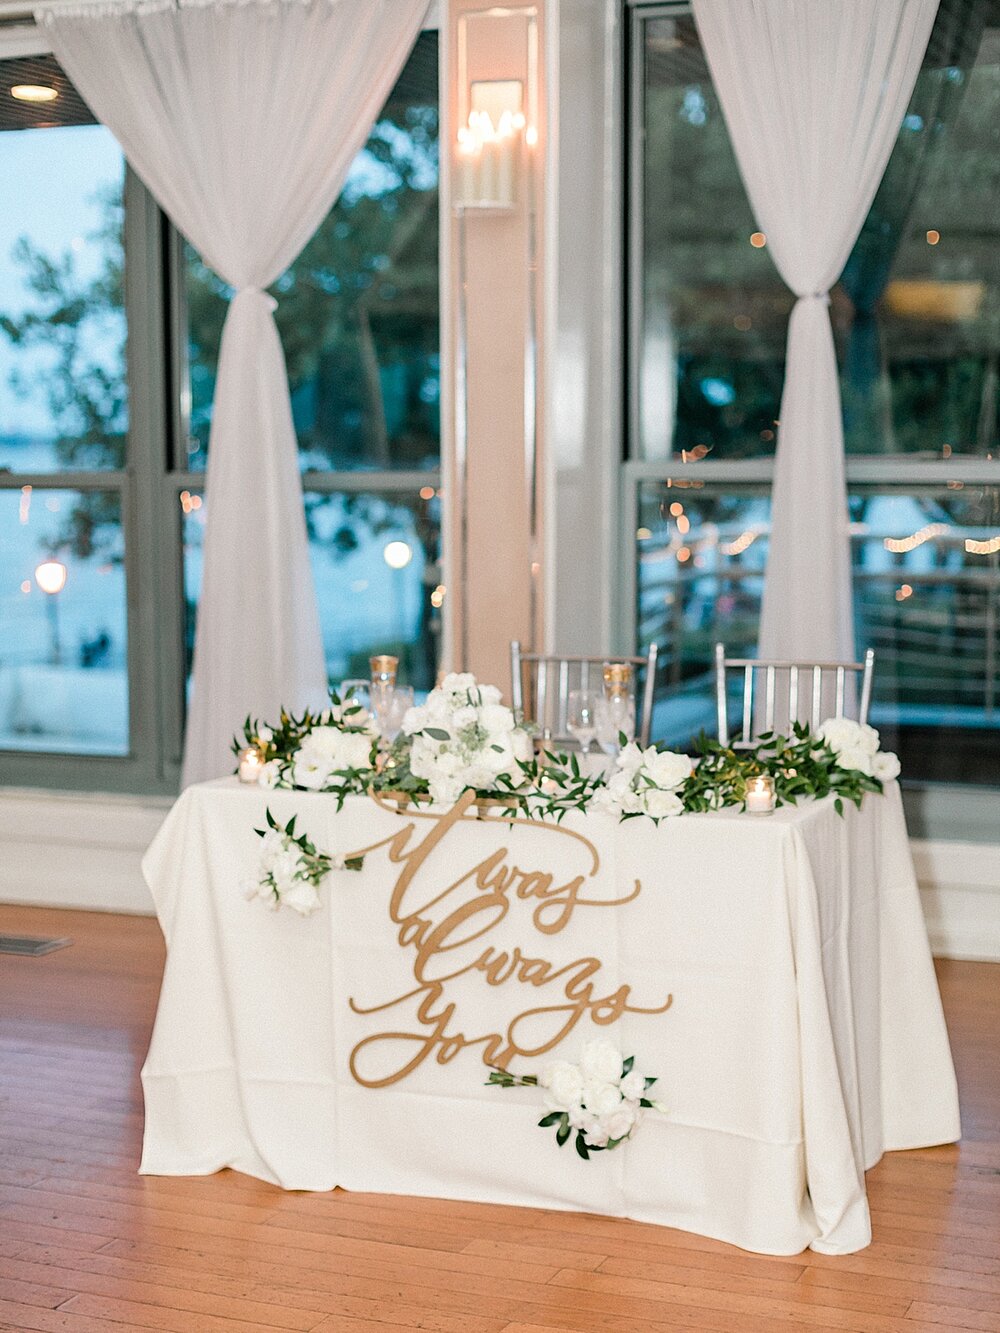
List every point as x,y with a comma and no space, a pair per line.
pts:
563,1132
437,734
581,1146
553,1118
627,1065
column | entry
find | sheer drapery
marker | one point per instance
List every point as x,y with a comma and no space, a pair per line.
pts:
813,96
243,119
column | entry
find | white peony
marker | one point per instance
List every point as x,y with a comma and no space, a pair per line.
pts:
842,734
885,766
563,1083
595,1135
857,759
622,1122
302,897
458,682
602,1099
633,1085
601,1061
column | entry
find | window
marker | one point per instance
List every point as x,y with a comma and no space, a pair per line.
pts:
109,334
916,318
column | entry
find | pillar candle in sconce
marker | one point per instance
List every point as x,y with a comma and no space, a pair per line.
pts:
490,145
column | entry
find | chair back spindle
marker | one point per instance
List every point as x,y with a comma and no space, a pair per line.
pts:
782,685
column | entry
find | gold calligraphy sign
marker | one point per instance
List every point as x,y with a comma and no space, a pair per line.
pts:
438,923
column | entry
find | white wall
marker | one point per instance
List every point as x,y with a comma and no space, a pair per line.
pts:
76,850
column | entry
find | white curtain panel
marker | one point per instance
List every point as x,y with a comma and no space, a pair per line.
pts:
243,119
813,92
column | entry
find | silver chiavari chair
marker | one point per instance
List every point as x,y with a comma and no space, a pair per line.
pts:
540,685
789,689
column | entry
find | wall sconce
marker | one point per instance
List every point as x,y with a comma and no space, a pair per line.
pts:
497,117
490,145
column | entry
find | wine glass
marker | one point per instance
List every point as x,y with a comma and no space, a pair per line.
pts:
581,718
357,691
391,707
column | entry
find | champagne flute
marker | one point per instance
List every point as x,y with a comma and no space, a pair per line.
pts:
581,718
394,710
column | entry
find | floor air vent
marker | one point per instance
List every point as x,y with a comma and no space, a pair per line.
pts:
30,945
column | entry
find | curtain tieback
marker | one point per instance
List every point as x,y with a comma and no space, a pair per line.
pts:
257,293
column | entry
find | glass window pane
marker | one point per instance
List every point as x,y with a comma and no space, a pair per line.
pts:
358,310
375,561
63,658
710,354
927,599
63,398
701,553
917,311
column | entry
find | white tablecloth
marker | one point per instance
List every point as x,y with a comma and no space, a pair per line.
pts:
805,1037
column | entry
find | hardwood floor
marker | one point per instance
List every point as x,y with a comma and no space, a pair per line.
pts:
87,1245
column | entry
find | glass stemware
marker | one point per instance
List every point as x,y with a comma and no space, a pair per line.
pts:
581,718
391,706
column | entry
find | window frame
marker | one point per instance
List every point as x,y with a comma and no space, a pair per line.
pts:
934,809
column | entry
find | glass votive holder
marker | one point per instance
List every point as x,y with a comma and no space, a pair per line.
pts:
760,797
251,765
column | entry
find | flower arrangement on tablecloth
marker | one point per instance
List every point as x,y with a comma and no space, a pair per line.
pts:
602,1098
464,738
333,750
291,869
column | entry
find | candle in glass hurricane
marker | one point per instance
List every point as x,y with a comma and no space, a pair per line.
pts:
760,795
251,764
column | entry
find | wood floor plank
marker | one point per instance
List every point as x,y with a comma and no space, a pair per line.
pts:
88,1246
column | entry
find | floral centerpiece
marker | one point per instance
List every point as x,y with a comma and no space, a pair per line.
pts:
646,782
463,737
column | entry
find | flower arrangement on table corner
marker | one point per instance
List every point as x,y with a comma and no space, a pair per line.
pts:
291,868
464,738
602,1098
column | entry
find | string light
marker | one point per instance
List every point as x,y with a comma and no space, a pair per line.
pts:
758,240
899,545
741,543
983,548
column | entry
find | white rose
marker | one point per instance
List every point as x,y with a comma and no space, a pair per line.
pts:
307,773
269,774
661,804
489,695
301,897
414,719
629,759
633,1085
271,846
564,1086
601,1061
458,682
355,750
466,716
602,1099
885,766
595,1135
321,743
520,744
496,719
620,1125
667,768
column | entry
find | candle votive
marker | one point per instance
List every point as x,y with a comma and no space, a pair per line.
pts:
384,668
760,795
251,764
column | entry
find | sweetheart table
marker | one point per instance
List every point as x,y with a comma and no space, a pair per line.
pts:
772,971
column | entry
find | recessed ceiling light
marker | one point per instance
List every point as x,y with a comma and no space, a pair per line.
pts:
33,92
